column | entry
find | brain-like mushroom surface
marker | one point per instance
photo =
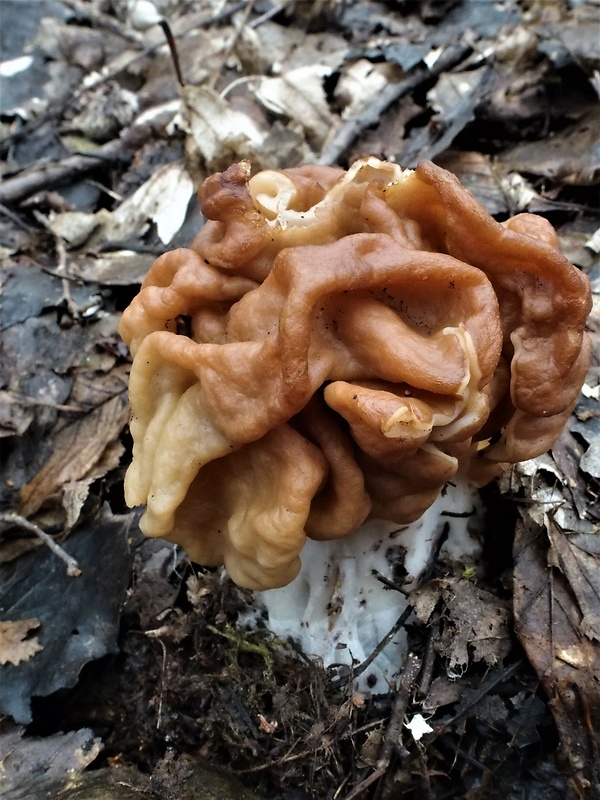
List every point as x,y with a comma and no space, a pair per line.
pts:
352,341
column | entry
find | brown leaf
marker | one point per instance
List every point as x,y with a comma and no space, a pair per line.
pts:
548,623
77,449
480,621
15,646
578,557
369,752
570,156
475,621
443,692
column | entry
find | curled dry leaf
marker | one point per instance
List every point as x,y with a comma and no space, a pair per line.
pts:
217,133
163,199
16,645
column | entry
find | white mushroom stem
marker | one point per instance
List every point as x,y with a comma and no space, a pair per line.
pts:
338,609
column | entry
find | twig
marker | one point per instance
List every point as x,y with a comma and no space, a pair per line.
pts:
336,682
12,518
229,49
364,785
429,659
345,135
15,218
61,267
166,29
48,176
393,732
499,677
161,696
285,759
101,20
32,402
272,12
468,757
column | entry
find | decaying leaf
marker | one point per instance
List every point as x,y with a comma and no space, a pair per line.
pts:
77,449
34,765
577,556
117,268
217,134
455,98
480,175
79,617
548,621
475,622
572,156
163,199
16,645
299,95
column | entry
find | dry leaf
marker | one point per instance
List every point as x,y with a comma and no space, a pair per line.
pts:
77,449
15,644
548,622
578,556
475,622
217,134
300,95
163,199
572,156
368,755
31,765
360,82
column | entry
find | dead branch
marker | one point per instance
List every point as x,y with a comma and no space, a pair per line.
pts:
104,21
342,138
393,732
353,674
429,658
47,176
12,518
232,43
499,677
6,212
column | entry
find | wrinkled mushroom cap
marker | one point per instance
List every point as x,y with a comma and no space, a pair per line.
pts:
356,339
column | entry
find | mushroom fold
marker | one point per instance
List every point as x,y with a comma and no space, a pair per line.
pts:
354,340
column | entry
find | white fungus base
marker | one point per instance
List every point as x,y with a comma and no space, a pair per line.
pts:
338,610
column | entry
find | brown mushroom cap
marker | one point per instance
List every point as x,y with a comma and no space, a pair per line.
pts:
356,339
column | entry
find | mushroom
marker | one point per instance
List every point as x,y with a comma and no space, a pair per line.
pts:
362,346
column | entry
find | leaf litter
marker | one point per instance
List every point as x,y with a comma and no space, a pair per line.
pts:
106,133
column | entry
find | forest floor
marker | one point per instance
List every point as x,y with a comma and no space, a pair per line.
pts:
121,664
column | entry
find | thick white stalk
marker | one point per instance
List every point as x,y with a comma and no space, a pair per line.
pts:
338,609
